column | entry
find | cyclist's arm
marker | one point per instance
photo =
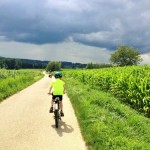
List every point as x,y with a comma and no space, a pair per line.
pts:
65,89
50,89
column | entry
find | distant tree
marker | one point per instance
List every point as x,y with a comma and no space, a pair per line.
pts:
125,56
96,66
9,63
18,64
53,66
89,65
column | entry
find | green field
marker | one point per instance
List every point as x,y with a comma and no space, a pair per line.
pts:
110,104
12,81
130,84
101,101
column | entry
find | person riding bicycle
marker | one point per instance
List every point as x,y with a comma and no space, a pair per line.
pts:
58,88
50,74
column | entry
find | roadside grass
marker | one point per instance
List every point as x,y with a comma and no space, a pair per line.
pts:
106,123
17,82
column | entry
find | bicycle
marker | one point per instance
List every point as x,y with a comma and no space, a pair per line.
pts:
50,75
57,115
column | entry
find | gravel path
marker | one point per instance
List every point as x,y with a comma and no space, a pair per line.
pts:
26,124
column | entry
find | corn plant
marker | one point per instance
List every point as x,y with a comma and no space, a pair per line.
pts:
130,84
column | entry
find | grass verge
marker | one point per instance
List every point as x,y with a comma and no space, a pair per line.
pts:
106,123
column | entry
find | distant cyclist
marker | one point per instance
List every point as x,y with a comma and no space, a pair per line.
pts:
50,74
57,89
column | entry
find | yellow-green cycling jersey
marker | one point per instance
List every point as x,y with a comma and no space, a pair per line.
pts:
58,87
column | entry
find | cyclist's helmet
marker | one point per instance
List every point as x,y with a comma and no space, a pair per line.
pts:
58,74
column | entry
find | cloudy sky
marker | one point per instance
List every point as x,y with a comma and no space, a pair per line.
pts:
73,30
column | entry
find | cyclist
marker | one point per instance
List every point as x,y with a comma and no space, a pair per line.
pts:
50,73
58,88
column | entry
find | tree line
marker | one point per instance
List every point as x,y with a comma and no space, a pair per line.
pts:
11,63
123,56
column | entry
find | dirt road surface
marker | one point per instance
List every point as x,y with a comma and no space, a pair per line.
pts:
26,124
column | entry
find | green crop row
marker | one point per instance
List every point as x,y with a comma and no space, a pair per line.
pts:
130,84
6,73
12,81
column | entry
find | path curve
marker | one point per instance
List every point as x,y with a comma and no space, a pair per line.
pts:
26,124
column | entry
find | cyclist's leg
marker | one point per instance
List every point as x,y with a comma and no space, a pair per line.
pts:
61,105
60,102
53,98
52,102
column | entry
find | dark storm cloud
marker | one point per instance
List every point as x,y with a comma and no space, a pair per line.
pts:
100,23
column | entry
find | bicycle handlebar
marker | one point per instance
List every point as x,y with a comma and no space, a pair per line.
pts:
51,93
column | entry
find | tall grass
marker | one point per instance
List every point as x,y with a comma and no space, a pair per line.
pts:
12,81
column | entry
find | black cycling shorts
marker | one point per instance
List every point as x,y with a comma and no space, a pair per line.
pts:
60,97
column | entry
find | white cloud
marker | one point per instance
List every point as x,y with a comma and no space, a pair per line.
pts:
146,58
2,38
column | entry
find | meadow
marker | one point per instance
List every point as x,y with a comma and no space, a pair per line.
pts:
12,81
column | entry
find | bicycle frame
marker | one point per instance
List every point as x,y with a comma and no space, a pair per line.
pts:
56,103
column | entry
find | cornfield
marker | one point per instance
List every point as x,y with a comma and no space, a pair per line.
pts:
129,84
12,81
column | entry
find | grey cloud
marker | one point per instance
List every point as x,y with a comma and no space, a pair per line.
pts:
65,51
99,23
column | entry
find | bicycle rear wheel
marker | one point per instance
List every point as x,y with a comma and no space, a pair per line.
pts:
56,118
